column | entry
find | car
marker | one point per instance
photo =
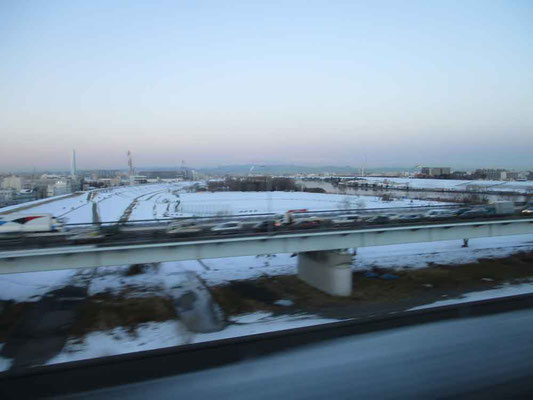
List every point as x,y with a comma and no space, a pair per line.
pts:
184,227
86,236
440,214
307,223
346,219
410,217
476,213
267,226
460,211
227,227
527,211
378,219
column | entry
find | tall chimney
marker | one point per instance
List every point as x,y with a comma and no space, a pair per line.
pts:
73,165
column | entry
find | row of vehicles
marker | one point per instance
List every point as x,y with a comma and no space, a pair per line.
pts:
301,220
46,227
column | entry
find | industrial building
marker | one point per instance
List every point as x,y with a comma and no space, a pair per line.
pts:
436,171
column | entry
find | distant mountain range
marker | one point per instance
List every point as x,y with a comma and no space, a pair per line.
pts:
290,169
245,169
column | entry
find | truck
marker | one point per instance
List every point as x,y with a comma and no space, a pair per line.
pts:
503,207
26,223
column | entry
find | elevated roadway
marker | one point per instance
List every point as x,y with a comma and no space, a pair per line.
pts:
82,256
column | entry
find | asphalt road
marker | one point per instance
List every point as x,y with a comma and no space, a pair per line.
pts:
482,357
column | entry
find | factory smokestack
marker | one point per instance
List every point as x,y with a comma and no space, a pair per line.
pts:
73,165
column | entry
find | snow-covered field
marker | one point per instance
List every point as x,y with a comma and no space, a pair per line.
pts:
111,204
167,200
260,202
451,184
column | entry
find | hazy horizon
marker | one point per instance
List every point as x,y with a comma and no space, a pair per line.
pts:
258,168
380,84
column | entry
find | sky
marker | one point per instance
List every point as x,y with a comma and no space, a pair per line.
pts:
379,83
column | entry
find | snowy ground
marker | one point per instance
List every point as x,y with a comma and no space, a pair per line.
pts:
111,204
15,207
234,203
168,200
156,335
505,290
451,184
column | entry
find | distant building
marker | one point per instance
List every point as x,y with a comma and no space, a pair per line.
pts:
436,171
12,182
59,188
6,195
460,175
187,174
138,179
490,174
517,175
9,197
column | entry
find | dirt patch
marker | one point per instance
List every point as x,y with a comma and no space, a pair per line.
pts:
138,269
103,311
10,317
94,313
371,294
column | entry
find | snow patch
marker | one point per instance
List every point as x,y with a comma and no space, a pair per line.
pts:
31,286
504,291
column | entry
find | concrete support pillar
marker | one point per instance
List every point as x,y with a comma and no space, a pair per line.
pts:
329,271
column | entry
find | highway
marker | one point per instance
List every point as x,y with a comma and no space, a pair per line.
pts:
115,233
248,244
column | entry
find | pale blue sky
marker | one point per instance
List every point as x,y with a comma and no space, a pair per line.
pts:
303,82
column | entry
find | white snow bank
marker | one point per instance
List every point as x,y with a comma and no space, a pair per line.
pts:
234,203
452,184
420,255
31,286
155,335
149,336
15,207
503,291
250,324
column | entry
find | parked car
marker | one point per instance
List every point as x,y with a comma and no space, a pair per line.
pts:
227,227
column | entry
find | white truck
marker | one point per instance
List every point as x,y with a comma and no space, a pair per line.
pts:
503,207
21,223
